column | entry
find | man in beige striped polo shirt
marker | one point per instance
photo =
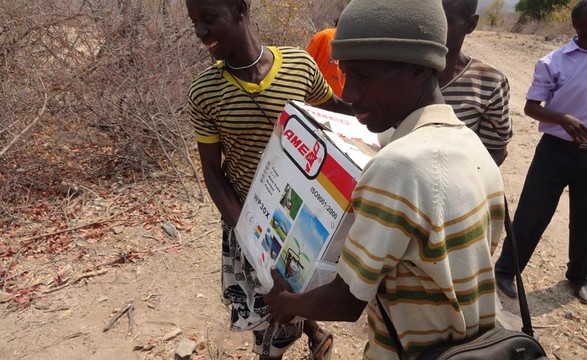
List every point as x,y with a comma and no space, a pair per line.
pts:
428,208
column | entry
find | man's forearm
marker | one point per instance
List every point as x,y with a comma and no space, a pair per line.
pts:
330,302
326,303
223,196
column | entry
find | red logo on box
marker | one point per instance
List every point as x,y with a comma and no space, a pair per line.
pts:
305,149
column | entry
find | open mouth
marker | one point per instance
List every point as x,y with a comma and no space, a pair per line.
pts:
211,45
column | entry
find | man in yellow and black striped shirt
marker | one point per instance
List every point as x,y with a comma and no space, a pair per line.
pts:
233,106
223,112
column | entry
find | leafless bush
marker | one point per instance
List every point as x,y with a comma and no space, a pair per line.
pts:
115,77
323,13
293,22
95,90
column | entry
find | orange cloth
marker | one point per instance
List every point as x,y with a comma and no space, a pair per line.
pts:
319,49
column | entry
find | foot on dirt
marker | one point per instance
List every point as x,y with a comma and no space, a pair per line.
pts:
506,285
321,345
580,292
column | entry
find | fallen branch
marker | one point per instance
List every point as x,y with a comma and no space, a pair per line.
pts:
164,248
108,219
128,309
129,314
545,326
82,276
36,237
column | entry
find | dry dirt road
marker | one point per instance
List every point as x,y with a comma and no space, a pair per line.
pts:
180,290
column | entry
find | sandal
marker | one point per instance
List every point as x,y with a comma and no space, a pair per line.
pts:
323,349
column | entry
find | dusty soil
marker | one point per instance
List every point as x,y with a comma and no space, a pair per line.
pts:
174,283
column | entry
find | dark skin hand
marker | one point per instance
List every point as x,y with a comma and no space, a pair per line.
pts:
220,189
576,129
330,302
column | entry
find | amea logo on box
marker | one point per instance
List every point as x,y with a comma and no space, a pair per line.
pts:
306,150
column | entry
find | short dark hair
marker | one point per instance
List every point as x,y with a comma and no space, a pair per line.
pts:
578,9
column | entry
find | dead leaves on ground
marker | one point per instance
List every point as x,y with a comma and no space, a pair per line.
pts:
82,231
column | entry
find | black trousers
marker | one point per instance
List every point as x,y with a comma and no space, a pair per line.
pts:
556,164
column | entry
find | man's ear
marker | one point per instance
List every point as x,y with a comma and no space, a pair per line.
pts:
421,74
242,8
472,23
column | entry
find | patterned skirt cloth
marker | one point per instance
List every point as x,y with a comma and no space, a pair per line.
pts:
249,312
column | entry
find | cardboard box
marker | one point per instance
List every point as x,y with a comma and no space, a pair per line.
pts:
298,210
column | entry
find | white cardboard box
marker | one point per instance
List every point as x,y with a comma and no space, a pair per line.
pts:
297,212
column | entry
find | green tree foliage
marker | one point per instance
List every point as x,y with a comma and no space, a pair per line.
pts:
538,9
494,13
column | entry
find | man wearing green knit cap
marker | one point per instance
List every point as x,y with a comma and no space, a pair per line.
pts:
429,206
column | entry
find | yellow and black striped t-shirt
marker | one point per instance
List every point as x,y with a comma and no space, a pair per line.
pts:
222,111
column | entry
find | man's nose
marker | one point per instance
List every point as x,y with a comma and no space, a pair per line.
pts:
201,31
349,92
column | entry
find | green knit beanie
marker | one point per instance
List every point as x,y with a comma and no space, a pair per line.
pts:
409,31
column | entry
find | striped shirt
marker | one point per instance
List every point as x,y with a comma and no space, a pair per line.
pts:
480,97
222,109
422,241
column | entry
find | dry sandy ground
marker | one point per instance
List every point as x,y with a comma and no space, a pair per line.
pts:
180,290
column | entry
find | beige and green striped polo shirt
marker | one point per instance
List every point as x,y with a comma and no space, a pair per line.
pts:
222,111
429,212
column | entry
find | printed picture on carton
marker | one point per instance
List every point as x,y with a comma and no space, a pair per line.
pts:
280,224
304,244
290,201
271,244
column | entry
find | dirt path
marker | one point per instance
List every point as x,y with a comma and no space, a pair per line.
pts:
179,288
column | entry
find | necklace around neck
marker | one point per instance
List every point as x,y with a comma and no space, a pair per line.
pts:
246,66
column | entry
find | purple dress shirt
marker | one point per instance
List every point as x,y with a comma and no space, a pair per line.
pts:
560,80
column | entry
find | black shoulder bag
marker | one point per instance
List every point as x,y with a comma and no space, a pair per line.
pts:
496,344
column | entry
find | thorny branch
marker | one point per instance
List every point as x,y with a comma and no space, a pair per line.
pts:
82,276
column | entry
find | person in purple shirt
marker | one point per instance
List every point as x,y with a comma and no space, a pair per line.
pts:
557,100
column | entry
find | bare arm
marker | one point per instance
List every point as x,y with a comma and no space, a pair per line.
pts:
497,114
220,189
330,302
573,126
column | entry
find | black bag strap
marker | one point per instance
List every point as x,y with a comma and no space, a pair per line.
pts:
390,328
524,310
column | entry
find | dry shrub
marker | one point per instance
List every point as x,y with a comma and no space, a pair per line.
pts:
555,26
293,22
108,81
94,91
